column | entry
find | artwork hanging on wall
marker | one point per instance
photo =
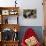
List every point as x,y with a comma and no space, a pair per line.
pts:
5,12
29,13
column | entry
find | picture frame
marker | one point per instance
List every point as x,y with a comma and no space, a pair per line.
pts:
13,12
5,12
29,13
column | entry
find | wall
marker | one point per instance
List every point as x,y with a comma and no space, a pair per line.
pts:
24,4
31,4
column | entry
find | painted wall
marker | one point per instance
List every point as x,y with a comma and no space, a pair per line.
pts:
24,4
32,4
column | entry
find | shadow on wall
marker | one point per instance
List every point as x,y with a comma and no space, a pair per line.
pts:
37,29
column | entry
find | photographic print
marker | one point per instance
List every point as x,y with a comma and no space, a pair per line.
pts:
5,12
29,13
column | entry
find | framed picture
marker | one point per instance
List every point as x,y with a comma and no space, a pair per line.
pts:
29,13
5,12
13,12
